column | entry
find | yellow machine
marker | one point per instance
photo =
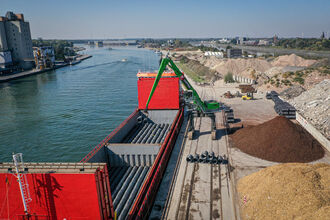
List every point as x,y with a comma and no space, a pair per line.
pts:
248,96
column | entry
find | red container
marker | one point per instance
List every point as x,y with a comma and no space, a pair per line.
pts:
80,195
166,95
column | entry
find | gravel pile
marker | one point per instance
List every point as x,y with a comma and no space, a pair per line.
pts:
292,60
292,92
278,140
286,191
314,106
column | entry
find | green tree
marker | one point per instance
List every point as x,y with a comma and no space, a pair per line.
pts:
229,78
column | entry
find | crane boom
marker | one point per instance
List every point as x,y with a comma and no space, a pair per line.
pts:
203,106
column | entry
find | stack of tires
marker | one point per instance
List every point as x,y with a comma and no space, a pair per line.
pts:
281,107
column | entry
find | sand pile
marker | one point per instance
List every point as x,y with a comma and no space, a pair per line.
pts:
278,140
274,71
286,191
292,60
238,66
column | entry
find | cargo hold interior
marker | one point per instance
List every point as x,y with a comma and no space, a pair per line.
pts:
130,152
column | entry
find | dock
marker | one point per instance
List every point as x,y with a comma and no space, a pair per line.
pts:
37,71
202,190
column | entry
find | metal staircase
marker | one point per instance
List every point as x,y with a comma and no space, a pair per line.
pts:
22,181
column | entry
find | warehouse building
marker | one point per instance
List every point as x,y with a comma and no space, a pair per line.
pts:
15,41
234,53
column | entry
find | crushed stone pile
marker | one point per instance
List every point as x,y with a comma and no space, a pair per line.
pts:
278,140
242,67
314,106
292,92
286,191
292,60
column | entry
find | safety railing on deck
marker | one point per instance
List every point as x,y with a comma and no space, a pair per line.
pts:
106,140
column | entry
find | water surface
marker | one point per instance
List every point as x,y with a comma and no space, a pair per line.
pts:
61,115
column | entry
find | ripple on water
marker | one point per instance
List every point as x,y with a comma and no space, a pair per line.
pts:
61,115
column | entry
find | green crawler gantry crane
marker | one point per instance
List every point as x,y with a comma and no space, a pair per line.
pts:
207,108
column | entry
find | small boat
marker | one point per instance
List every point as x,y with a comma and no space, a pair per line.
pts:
123,60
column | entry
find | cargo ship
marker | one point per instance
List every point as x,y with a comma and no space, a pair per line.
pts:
120,177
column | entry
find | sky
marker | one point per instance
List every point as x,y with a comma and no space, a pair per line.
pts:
110,19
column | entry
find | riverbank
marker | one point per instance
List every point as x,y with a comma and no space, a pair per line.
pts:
37,71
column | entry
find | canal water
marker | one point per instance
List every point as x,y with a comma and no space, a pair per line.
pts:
59,116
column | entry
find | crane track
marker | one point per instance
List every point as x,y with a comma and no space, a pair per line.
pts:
198,193
192,178
215,174
193,174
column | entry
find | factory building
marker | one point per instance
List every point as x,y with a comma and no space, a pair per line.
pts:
15,41
234,53
264,43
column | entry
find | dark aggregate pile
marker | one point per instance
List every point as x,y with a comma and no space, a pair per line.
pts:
278,140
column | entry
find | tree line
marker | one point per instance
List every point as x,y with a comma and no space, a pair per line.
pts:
62,48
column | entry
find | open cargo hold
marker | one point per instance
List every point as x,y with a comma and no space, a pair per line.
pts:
138,150
137,153
56,191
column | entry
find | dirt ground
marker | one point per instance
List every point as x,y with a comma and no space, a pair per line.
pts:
248,112
252,112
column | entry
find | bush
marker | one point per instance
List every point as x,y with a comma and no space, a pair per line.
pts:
229,78
299,74
299,80
286,82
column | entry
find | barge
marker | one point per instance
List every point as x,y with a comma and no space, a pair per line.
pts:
124,171
118,179
137,151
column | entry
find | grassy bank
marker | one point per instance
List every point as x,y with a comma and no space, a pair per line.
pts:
192,74
196,71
